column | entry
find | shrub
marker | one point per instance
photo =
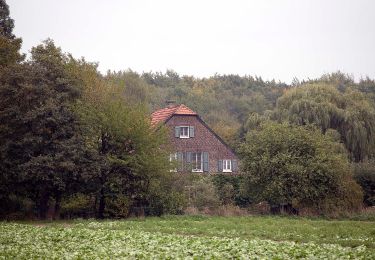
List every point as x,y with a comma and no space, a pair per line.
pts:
227,194
117,206
364,174
78,205
239,198
15,207
204,194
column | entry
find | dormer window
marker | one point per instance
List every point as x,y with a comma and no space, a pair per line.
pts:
184,131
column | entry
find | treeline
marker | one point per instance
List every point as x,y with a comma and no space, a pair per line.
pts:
71,139
76,143
334,109
223,101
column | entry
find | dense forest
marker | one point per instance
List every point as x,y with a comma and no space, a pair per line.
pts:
75,142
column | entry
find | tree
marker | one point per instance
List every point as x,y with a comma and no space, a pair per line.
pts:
297,166
9,45
133,165
350,113
6,23
42,151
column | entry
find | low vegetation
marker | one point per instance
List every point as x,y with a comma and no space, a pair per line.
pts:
185,237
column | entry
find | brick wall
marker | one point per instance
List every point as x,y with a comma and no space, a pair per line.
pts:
204,141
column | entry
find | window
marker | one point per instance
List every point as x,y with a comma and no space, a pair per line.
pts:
172,157
227,166
184,132
196,162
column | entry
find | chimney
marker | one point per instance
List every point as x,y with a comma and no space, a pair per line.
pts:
170,103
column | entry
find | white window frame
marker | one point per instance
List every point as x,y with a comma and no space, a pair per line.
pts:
195,160
181,132
173,159
227,165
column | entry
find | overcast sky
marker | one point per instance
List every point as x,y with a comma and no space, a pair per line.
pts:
279,39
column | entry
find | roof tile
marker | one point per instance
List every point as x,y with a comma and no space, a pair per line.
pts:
163,114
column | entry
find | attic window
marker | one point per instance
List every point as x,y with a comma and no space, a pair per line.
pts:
184,132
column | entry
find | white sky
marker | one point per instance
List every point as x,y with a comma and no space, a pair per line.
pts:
278,39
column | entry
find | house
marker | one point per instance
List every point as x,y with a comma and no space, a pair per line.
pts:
197,147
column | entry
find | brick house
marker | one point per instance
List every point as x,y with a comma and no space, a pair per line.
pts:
197,147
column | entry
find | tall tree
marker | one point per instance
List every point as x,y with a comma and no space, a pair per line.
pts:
350,113
41,149
9,64
133,168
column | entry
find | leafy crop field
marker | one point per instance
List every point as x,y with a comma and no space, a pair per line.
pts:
189,237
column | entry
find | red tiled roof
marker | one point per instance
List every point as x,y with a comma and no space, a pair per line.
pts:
163,114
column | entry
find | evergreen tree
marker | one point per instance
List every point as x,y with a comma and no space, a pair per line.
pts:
9,44
6,23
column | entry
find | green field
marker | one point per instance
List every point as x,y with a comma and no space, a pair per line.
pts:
189,237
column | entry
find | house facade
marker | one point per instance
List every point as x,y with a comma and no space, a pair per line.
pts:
197,148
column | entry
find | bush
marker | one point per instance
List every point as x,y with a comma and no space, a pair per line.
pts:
172,202
15,207
204,195
78,205
226,183
223,210
364,174
227,194
117,206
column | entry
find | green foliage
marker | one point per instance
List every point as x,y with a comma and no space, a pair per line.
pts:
202,194
15,207
131,162
67,130
228,194
350,113
6,23
117,206
78,205
224,101
9,52
364,174
232,185
187,237
70,136
298,166
9,45
42,153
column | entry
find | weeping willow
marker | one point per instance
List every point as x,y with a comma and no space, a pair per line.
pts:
350,113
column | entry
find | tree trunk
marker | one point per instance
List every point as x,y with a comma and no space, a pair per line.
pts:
43,205
101,204
56,213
